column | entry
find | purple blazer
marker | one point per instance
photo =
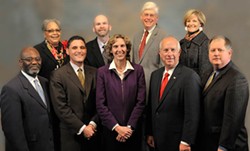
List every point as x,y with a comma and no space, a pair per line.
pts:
120,101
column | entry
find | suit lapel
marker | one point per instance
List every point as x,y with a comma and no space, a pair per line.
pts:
150,41
31,90
97,54
217,78
88,80
48,53
73,77
171,82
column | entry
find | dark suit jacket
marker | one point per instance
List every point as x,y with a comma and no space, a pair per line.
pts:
73,104
94,56
150,60
26,120
175,117
224,108
49,63
195,53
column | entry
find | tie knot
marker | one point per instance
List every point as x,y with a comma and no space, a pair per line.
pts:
146,33
166,74
79,70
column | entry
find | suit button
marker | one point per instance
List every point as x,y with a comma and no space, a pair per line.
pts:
157,113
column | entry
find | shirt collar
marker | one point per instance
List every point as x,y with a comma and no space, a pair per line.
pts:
151,30
128,66
30,78
75,67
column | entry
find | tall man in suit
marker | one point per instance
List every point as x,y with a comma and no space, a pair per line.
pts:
73,88
173,112
26,119
225,101
145,45
101,27
148,57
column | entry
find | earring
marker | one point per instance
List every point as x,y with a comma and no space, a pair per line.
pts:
200,28
186,28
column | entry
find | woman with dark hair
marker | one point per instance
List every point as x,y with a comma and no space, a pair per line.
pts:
120,97
52,50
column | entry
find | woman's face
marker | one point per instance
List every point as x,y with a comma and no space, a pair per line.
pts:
119,49
193,24
52,33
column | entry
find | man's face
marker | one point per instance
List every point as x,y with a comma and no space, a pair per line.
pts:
101,26
30,61
149,18
219,55
77,52
52,33
169,52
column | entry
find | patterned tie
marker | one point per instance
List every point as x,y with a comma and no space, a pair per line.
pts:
210,79
163,84
39,89
81,76
143,43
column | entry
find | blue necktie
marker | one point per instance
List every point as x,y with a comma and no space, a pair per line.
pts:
39,89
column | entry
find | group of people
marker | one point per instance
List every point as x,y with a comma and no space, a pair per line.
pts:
155,93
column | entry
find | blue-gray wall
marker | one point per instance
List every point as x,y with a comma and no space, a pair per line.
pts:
20,24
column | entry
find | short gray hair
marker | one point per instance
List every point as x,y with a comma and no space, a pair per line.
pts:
151,6
47,21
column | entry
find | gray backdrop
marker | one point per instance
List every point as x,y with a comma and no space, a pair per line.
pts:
21,25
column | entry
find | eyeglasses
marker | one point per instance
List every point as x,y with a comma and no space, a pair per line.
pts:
30,59
53,30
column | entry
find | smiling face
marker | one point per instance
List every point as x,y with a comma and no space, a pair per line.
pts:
77,52
169,52
119,50
30,61
149,18
101,26
52,33
192,23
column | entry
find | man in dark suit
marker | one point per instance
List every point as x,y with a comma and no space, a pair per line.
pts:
73,88
172,118
95,56
225,101
26,120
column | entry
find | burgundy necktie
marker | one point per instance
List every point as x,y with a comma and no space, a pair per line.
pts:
143,43
163,84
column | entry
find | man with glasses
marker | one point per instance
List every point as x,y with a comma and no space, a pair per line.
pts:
25,107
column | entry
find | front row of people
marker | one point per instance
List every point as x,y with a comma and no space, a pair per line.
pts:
184,112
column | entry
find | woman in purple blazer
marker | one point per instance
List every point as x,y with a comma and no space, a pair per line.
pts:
120,97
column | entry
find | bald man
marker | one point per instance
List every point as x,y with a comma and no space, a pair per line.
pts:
173,109
26,119
101,27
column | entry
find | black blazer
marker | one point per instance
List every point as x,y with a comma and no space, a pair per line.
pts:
195,53
49,63
26,121
175,117
224,108
94,56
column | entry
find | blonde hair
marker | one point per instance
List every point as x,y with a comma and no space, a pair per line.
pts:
201,17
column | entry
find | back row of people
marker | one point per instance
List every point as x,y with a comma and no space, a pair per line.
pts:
177,106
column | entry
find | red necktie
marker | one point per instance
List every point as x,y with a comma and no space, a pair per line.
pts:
143,43
163,84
